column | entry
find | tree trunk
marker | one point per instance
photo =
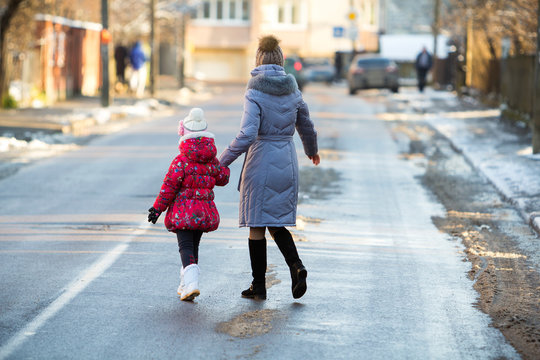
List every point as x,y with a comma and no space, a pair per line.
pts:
490,42
5,20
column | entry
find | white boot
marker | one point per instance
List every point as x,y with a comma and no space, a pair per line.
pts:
181,286
191,280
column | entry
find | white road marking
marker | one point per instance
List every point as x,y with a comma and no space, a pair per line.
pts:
71,291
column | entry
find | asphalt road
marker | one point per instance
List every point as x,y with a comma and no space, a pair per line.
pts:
85,277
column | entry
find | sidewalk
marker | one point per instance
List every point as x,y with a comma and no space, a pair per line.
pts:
77,116
30,134
74,116
501,151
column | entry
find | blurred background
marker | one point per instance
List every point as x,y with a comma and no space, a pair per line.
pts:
56,49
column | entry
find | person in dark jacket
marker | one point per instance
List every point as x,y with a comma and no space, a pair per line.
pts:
273,109
121,61
423,63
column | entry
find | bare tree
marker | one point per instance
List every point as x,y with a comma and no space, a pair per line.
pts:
130,19
496,19
9,10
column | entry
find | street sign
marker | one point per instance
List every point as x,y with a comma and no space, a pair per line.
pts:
338,31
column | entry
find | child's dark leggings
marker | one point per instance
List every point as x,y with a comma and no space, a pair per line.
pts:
188,246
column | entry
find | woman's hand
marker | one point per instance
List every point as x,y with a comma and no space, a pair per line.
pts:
315,158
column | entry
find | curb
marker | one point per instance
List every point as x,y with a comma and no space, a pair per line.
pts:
35,125
532,219
76,124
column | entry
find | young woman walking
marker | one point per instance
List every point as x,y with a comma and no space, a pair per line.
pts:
273,109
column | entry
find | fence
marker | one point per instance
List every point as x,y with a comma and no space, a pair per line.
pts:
517,83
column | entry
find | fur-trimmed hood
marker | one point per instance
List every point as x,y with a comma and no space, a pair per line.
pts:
272,80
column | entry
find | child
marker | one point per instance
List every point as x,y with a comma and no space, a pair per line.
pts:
273,109
187,194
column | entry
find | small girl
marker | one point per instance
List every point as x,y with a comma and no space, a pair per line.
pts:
187,194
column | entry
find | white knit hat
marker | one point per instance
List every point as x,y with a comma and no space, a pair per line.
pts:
195,121
193,126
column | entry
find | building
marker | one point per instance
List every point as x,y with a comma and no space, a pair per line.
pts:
223,35
69,53
62,55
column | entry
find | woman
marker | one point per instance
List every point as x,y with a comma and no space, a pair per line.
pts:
273,108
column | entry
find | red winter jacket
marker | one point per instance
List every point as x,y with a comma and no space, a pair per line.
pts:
187,187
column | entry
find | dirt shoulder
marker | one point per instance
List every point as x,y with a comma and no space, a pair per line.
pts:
488,227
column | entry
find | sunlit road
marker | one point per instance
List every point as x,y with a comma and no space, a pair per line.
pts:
85,277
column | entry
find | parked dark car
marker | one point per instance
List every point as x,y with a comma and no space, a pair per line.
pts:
319,70
372,71
294,65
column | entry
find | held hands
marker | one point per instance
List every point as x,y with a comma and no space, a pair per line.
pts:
153,215
316,159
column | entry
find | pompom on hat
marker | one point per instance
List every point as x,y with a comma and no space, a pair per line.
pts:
194,122
269,51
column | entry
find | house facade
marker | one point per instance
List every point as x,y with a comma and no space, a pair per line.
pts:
59,54
223,35
69,53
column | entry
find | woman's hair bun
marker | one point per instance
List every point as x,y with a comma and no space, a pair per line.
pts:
268,43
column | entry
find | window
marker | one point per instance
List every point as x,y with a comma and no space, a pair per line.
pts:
294,14
232,10
245,10
281,14
219,13
372,15
224,10
288,12
206,10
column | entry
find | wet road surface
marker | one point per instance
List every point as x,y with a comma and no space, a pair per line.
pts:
84,276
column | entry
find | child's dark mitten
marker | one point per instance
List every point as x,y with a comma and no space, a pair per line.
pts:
153,215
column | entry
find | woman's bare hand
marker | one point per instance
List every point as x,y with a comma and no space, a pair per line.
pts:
315,158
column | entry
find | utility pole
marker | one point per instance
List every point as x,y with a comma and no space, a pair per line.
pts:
353,29
536,95
469,52
105,93
152,47
181,74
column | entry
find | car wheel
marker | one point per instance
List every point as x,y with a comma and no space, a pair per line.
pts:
395,89
352,91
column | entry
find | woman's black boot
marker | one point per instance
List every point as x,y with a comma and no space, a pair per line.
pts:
298,277
257,255
285,243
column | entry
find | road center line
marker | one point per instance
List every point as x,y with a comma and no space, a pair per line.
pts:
71,291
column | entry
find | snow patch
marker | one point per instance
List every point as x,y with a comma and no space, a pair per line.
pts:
32,140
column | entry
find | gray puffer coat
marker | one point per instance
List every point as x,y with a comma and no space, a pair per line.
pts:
273,108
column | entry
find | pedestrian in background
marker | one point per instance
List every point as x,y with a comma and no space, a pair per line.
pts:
137,59
338,65
273,108
187,194
423,63
121,62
